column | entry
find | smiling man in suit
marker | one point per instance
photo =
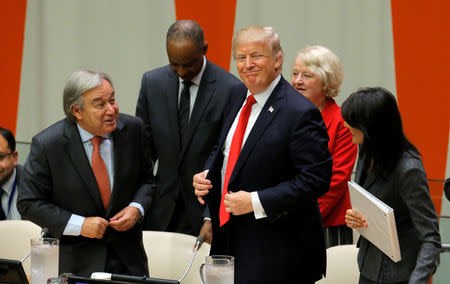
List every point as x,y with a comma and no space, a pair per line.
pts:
182,105
10,176
267,171
88,180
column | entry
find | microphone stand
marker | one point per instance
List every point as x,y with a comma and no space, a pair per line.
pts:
43,233
145,279
198,242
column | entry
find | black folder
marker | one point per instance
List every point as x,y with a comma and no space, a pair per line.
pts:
11,272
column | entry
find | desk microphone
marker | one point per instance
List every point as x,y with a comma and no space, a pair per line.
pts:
198,242
44,232
141,279
145,279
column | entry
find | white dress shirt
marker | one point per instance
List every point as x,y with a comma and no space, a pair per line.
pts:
11,213
106,150
261,99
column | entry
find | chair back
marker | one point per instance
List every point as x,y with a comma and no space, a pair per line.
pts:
15,240
342,266
169,255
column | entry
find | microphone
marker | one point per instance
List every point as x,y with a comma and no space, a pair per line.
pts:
141,279
198,242
145,279
44,232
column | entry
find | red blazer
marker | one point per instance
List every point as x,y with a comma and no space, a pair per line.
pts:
337,200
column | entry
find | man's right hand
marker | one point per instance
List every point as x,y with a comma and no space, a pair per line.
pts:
206,233
94,227
201,185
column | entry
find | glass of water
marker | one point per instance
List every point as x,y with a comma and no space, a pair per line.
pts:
44,259
217,269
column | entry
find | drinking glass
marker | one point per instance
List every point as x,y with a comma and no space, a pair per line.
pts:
44,259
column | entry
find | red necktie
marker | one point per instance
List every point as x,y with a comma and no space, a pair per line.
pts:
235,149
100,171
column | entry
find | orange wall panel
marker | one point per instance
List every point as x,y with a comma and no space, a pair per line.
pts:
12,29
422,60
217,21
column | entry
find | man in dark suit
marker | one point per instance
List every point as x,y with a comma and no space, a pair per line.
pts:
10,176
267,171
88,180
181,105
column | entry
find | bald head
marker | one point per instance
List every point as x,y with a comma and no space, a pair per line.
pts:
183,30
186,48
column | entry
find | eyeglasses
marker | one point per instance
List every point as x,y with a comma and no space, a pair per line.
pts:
3,156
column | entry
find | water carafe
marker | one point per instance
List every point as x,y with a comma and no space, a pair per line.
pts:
217,269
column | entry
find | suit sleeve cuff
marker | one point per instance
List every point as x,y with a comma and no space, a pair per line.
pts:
73,227
258,209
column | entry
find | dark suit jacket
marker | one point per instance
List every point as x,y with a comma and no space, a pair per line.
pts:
286,159
158,108
19,178
19,174
406,191
447,188
59,182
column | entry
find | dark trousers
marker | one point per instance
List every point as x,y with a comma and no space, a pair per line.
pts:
364,280
338,235
180,221
113,263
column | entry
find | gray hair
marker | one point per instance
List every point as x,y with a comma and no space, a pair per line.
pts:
259,34
79,83
186,29
324,63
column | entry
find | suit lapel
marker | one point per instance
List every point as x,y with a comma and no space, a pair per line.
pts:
204,95
172,108
80,161
263,121
235,103
231,115
119,141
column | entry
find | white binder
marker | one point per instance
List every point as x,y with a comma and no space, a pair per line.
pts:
381,230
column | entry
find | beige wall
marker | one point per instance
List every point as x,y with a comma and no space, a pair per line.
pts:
126,38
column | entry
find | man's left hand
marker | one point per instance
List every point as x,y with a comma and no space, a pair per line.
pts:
238,203
125,219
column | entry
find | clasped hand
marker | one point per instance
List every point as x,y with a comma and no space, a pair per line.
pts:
237,203
95,227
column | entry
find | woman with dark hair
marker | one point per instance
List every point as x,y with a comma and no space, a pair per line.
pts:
390,168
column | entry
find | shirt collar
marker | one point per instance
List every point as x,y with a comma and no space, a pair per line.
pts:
86,135
196,80
262,97
8,184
